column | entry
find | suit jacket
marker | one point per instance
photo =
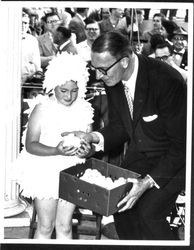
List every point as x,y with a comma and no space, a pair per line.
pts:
183,60
105,26
46,46
157,133
70,48
76,26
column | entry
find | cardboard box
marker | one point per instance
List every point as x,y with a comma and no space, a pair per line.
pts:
91,196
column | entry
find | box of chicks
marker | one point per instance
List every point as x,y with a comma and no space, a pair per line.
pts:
96,185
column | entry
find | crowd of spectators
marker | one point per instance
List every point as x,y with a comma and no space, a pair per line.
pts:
47,32
46,26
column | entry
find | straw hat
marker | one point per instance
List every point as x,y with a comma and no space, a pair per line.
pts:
180,31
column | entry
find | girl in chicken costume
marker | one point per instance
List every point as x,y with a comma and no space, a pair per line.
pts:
46,153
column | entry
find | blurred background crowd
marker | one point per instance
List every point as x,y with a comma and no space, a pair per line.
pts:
48,31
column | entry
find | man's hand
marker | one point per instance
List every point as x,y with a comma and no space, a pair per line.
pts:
86,150
67,151
139,187
88,137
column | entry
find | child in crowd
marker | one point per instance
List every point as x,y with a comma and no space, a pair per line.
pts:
45,153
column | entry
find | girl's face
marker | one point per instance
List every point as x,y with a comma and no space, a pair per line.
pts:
67,93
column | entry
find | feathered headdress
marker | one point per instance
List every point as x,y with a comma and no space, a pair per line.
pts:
66,67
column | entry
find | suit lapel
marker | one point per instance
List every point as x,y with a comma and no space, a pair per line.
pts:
118,94
49,44
140,90
65,48
80,21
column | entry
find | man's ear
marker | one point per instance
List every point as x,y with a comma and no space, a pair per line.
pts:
125,62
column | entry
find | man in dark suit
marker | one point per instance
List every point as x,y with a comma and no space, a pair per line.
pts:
154,127
62,38
77,24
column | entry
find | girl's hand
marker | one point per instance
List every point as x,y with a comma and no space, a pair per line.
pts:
67,151
82,135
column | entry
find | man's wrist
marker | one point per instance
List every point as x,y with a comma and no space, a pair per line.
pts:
151,182
98,140
95,138
147,182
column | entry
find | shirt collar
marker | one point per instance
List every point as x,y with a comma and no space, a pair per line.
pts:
181,51
131,83
64,44
49,34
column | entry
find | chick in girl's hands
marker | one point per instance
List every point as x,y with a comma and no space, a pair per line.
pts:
76,146
71,141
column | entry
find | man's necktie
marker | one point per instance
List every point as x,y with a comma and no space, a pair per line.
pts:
129,100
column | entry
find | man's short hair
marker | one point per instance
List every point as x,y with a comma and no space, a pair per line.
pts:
164,45
111,9
90,20
159,15
47,15
155,40
64,31
81,10
139,11
113,42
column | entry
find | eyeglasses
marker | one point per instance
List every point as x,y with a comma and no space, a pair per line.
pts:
156,20
92,29
105,71
52,21
162,58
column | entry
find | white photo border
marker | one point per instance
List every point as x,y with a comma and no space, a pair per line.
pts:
14,8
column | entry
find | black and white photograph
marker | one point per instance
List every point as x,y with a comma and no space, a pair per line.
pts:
97,107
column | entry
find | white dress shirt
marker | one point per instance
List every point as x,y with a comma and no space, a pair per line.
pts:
84,50
30,55
130,83
178,58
